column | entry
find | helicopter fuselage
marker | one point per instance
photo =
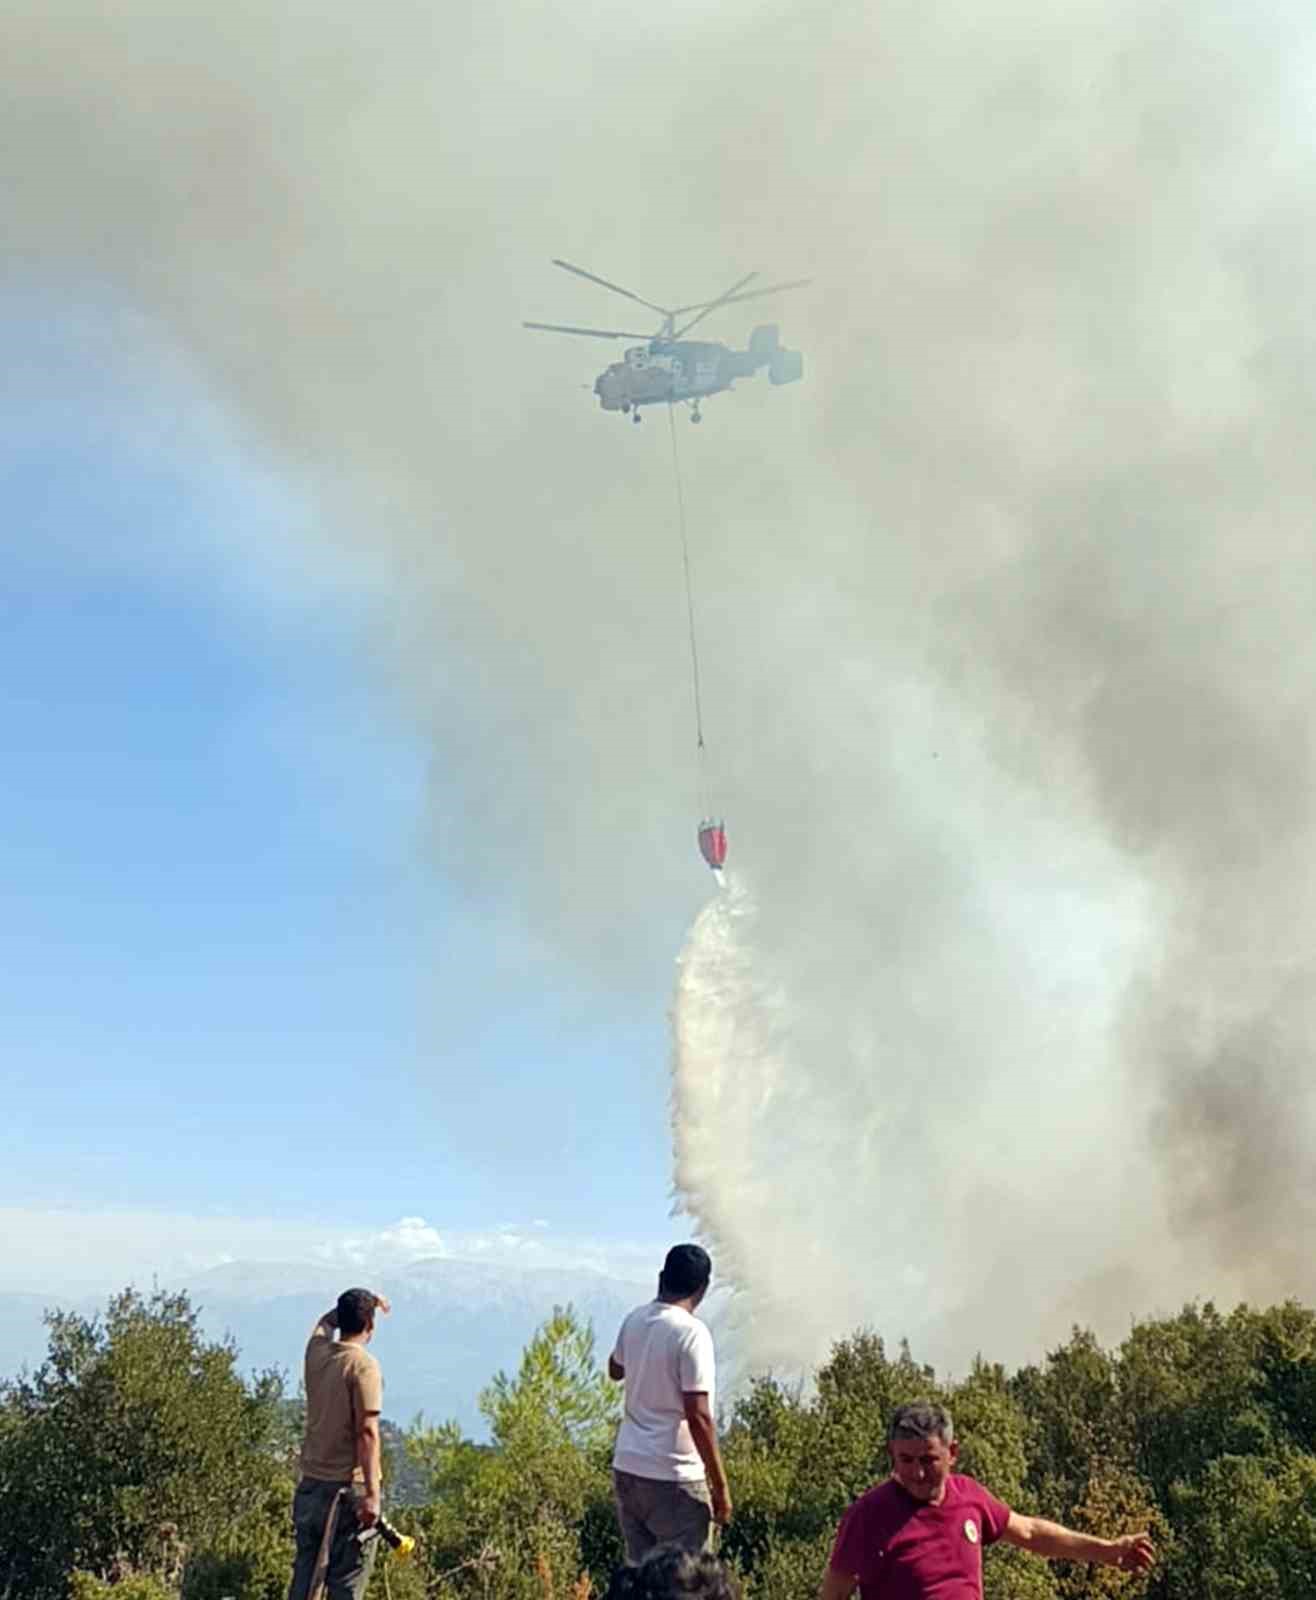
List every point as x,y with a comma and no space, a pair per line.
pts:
674,370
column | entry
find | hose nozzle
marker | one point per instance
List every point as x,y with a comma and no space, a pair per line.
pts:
401,1544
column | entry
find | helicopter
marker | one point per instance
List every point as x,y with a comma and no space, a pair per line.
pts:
668,367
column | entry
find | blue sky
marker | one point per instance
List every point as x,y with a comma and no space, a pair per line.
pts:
220,938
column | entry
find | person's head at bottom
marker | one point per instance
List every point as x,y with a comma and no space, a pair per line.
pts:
670,1573
923,1448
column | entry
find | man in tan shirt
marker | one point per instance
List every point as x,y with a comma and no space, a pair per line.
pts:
340,1450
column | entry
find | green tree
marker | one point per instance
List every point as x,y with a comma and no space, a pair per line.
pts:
1114,1501
532,1510
1283,1342
1247,1530
1081,1450
771,1452
134,1442
1191,1389
134,1586
1075,1417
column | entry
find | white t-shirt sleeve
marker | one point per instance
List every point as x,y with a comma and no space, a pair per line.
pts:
695,1364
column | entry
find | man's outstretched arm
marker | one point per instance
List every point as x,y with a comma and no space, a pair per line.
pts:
1132,1553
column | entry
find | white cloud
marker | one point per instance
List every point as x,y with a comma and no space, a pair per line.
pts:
409,1239
60,1252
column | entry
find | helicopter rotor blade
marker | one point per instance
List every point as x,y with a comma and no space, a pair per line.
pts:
615,287
752,294
586,333
712,305
700,305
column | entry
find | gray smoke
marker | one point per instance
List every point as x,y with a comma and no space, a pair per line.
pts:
1006,610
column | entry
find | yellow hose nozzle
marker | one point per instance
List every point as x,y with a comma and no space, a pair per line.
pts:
401,1544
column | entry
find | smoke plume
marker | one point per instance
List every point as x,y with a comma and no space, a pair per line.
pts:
1005,610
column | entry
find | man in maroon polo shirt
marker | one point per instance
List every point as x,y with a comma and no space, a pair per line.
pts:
920,1534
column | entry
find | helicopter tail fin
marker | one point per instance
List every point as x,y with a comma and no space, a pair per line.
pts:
786,366
764,343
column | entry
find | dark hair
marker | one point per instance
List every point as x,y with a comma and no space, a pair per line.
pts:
356,1311
921,1419
669,1573
686,1270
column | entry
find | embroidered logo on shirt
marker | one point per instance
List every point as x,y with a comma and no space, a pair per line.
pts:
971,1531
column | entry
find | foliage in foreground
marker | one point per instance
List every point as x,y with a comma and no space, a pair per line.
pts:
138,1448
137,1464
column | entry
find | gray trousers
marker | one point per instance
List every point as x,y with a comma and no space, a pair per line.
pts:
654,1511
349,1561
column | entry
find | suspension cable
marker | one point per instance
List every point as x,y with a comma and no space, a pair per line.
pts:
689,587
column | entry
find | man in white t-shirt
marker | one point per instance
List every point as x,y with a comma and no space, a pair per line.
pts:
667,1472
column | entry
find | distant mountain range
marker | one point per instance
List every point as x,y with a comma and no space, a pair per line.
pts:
454,1323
